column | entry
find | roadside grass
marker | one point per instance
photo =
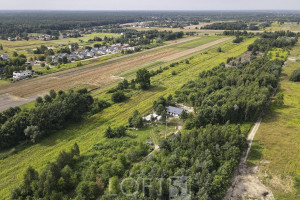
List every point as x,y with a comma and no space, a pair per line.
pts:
276,145
91,131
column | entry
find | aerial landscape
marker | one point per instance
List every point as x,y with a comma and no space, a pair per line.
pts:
124,100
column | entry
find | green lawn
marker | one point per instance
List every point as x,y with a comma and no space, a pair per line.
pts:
90,132
277,142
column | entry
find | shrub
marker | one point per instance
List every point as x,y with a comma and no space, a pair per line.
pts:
118,97
295,76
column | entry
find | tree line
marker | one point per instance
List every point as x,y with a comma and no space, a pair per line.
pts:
49,114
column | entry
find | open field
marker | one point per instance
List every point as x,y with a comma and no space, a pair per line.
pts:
193,50
91,76
276,146
26,47
90,132
287,26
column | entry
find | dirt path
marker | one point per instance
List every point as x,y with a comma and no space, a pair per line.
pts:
246,183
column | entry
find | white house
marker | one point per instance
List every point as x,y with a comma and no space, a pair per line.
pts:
18,75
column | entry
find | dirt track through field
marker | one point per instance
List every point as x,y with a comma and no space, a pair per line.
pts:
90,76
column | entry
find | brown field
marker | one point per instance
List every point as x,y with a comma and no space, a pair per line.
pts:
90,76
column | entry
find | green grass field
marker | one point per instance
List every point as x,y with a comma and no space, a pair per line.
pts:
90,132
276,147
26,47
291,26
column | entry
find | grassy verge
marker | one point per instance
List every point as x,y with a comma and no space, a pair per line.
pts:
4,82
90,132
276,145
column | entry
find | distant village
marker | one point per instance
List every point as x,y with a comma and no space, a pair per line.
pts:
94,52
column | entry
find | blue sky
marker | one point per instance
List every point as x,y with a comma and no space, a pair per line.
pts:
150,5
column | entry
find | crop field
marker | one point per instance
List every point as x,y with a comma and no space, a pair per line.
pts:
26,47
276,146
91,131
92,76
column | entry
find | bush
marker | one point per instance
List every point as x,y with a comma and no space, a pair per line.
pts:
295,76
118,97
116,132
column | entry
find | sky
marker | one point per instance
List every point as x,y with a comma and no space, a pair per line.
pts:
150,5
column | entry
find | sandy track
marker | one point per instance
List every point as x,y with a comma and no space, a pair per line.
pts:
89,76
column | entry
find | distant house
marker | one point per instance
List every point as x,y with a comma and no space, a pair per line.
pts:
18,75
174,111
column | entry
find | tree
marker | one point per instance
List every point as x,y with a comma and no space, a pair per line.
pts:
52,94
136,120
29,177
87,190
118,97
39,100
132,84
108,132
219,49
15,54
41,58
160,108
183,115
75,151
143,78
279,99
47,98
33,132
